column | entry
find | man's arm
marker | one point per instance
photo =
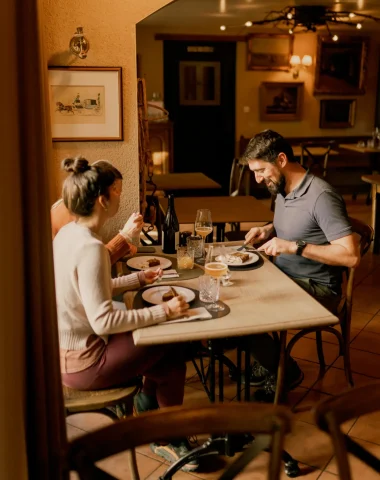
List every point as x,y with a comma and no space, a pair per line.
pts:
119,247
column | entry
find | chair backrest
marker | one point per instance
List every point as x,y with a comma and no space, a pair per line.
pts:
331,413
313,161
268,423
239,179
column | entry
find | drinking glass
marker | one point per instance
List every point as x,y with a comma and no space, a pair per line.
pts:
203,225
215,270
208,289
195,242
185,258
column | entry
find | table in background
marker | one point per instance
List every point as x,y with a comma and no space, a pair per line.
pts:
374,180
174,182
317,151
355,148
223,210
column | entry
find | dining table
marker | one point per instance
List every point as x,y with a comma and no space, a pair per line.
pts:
223,209
179,182
315,151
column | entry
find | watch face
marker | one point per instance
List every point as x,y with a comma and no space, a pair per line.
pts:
301,243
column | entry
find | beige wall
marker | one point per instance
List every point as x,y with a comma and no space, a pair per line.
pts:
248,82
110,28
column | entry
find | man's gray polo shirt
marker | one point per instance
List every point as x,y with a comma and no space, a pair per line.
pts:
316,213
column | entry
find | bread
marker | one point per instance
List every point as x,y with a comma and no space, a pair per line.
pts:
243,256
171,293
152,262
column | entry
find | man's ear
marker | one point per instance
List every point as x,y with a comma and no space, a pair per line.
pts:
282,160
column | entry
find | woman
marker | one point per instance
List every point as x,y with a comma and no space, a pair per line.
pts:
96,345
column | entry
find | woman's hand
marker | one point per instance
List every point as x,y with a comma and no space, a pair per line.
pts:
152,275
177,306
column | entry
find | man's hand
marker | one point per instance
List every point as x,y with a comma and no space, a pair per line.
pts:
152,275
276,246
133,226
258,234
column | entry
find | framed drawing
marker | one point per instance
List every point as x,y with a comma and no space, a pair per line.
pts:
337,113
269,52
341,66
281,101
85,103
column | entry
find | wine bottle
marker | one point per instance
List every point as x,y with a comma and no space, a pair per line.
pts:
170,229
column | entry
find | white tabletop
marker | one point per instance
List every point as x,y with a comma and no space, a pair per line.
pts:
261,300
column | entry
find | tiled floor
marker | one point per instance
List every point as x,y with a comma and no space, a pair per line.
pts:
306,443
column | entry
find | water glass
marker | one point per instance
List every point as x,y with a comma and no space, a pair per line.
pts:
185,258
208,289
195,242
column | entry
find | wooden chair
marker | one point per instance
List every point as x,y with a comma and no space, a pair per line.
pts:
312,161
331,413
365,233
269,424
115,403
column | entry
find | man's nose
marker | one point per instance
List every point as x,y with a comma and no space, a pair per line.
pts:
259,178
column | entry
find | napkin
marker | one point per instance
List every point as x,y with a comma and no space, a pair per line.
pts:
170,274
192,314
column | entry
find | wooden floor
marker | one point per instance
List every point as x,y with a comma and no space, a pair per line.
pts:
306,443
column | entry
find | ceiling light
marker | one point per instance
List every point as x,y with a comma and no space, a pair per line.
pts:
290,31
223,27
335,38
359,26
289,15
351,15
248,24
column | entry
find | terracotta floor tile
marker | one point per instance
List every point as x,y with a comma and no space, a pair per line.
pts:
367,428
366,299
374,324
334,381
360,319
296,396
373,277
328,476
303,410
309,445
229,386
359,469
117,466
195,397
365,363
88,421
161,470
310,371
306,349
190,369
368,341
73,432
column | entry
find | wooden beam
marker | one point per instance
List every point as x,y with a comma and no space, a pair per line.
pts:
201,38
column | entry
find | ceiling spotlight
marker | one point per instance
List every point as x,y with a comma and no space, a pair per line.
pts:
289,16
290,31
223,27
335,38
359,26
248,24
351,15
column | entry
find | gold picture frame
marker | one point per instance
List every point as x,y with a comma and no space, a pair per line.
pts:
281,101
269,51
337,113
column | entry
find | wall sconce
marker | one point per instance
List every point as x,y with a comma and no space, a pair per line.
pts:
79,45
296,63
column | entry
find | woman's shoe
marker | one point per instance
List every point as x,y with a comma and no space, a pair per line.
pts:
174,451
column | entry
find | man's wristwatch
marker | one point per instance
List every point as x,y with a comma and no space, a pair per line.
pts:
301,244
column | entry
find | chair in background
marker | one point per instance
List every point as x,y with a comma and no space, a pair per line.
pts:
331,413
269,424
365,233
317,164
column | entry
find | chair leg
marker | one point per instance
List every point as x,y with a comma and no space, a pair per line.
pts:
132,464
321,357
347,363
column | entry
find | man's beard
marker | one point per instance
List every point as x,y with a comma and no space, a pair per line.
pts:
276,187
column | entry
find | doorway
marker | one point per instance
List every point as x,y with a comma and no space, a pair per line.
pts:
199,93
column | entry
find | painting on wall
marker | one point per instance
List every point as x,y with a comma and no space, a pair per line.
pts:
85,103
341,66
269,52
281,101
337,113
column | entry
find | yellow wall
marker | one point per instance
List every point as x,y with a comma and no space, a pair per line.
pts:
248,82
110,28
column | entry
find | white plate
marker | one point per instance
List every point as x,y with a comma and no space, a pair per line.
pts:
154,294
140,262
253,258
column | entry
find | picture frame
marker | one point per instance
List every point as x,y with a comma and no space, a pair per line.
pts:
341,67
337,113
269,51
86,103
281,101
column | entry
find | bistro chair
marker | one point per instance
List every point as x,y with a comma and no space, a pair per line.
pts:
365,233
331,413
269,425
317,164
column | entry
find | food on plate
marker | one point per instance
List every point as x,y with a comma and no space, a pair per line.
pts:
152,262
171,293
237,257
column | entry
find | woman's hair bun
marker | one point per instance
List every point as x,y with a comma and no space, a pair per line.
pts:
76,165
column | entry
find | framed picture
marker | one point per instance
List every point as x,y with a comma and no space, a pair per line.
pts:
269,52
341,66
337,113
85,103
281,101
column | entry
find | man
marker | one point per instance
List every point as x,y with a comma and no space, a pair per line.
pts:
311,239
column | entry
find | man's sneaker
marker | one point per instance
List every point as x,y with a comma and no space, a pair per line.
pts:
144,403
173,452
258,375
268,393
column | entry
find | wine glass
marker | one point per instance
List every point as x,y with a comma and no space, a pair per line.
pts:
203,226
